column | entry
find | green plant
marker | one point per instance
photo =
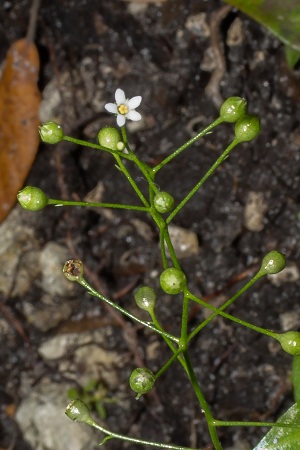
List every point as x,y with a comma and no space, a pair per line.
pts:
281,18
94,395
172,279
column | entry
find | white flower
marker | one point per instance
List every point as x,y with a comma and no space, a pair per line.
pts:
124,108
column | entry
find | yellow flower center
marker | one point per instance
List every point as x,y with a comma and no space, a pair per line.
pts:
123,109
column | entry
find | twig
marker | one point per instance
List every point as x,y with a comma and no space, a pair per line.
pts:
32,20
213,87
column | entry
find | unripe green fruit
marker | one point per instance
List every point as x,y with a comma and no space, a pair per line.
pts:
73,269
141,381
78,411
145,298
32,198
51,133
172,281
110,137
247,128
233,109
163,202
290,342
274,262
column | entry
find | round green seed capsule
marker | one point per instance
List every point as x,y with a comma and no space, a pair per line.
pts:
32,198
73,269
110,137
145,298
141,381
51,133
172,281
78,411
233,109
163,202
247,128
290,342
274,262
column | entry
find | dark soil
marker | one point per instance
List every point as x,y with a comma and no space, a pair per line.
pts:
152,53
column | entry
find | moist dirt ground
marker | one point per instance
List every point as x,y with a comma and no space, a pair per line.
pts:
184,57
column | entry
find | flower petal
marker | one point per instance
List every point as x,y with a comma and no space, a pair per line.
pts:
134,102
121,120
111,107
133,115
120,96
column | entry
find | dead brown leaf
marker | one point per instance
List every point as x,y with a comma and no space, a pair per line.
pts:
19,120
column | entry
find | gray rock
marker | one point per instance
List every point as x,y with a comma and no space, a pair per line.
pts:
41,417
52,259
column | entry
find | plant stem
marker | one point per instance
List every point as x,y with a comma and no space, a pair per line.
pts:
186,145
230,317
201,182
56,202
111,435
168,342
91,145
184,321
202,401
225,305
131,181
226,423
168,364
97,294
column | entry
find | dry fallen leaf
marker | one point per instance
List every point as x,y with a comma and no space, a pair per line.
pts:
19,120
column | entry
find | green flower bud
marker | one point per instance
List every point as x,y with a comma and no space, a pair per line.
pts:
78,411
32,198
141,381
290,342
172,281
274,262
73,269
233,109
51,133
163,202
247,128
145,298
110,137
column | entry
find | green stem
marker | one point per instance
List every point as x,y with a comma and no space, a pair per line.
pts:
123,311
112,435
171,250
168,363
225,305
91,145
186,145
131,181
167,340
203,179
203,403
163,248
144,168
116,154
55,202
230,317
184,321
226,423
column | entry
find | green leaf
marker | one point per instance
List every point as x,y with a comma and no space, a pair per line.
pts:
72,393
104,440
296,377
282,18
292,56
283,438
100,410
90,385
